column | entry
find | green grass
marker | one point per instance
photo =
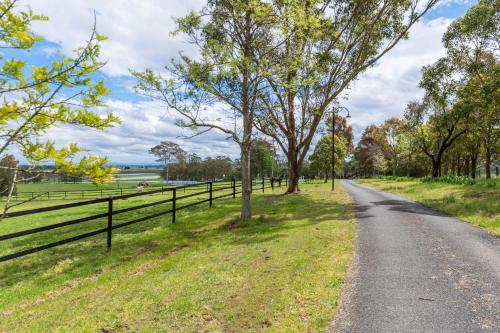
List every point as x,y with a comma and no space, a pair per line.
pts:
44,187
281,272
477,204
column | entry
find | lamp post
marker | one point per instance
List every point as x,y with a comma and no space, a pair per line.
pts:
333,141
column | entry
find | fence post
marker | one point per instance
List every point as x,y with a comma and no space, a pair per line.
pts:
286,182
263,184
174,199
210,184
110,221
251,184
234,188
272,183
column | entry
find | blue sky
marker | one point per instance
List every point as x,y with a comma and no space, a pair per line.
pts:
139,38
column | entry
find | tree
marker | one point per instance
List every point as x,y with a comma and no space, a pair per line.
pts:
38,98
318,47
321,158
166,152
261,158
7,180
379,164
472,44
392,129
438,121
228,35
366,150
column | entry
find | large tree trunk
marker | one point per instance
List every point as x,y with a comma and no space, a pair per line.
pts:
293,171
436,164
246,183
394,165
467,167
473,166
487,162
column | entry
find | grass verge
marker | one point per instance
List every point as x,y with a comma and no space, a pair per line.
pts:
477,204
282,271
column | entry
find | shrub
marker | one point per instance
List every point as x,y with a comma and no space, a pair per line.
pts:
450,198
450,179
397,178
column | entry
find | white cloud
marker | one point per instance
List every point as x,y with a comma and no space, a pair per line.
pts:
144,124
138,31
384,90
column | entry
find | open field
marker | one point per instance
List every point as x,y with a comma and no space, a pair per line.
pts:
283,271
477,204
38,187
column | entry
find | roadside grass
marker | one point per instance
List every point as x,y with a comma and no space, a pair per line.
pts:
477,204
282,271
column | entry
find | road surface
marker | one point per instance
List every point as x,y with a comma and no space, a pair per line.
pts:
418,270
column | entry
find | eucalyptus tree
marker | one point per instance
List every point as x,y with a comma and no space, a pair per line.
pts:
38,98
438,120
321,158
318,48
166,152
392,130
473,44
223,81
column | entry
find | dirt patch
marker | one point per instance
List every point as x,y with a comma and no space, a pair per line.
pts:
67,287
174,250
142,269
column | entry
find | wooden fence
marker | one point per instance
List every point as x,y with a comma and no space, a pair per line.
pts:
178,200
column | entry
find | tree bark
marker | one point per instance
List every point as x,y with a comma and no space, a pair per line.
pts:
394,164
487,162
473,166
246,185
293,171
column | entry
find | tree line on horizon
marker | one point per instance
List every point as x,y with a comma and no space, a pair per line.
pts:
181,165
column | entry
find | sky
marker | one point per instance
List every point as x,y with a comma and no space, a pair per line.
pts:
139,37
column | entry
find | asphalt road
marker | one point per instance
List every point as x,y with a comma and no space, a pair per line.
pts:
418,270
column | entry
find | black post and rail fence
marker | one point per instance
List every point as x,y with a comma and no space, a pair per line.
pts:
212,189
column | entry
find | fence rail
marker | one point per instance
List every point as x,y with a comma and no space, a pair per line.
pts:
100,193
209,188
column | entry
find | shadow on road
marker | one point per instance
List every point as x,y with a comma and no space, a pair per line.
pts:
408,207
395,206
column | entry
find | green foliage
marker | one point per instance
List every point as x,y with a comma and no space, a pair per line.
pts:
261,158
7,168
194,167
321,158
397,178
317,48
455,128
450,179
38,98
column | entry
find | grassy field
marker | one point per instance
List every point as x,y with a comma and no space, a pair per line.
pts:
43,187
282,271
477,204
